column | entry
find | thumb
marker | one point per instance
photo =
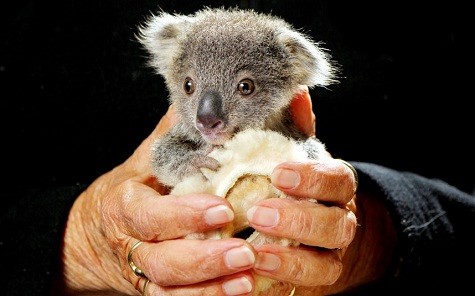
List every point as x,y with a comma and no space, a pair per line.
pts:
302,113
165,124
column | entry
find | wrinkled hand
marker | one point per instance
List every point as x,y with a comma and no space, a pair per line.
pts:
325,229
124,206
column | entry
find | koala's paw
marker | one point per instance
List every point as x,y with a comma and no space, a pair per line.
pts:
203,161
194,163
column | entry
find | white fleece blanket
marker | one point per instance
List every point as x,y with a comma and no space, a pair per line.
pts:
247,161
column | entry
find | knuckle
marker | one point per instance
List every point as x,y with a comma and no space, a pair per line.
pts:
341,186
166,270
302,225
346,229
161,271
297,272
334,272
327,182
349,179
117,200
315,182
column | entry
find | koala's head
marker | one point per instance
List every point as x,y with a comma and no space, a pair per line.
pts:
228,70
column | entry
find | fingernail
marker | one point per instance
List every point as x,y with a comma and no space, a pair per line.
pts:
267,261
237,286
263,216
218,215
285,178
239,257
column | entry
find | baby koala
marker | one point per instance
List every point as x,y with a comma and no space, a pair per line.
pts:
228,70
231,75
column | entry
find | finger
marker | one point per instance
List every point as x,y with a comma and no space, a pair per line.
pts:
309,223
194,261
138,211
302,113
326,180
237,284
299,266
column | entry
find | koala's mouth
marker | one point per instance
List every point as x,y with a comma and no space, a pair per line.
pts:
216,138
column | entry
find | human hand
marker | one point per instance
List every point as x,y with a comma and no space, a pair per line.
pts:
324,229
123,207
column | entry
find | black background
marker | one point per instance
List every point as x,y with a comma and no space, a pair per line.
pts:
77,96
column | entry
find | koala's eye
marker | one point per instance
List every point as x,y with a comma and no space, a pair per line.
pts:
246,86
189,85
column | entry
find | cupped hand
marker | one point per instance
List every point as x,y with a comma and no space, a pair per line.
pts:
324,228
125,206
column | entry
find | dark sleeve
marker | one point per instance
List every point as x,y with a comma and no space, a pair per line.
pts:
435,223
31,235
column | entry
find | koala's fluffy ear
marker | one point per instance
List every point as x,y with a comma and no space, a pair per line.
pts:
160,36
312,64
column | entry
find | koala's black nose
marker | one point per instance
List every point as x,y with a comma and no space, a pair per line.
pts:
210,115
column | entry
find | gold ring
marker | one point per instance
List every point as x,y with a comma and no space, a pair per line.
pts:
144,289
292,292
353,170
132,265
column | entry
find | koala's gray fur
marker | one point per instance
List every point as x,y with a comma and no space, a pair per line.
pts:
218,49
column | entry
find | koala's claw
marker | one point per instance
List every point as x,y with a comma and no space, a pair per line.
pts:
203,161
199,161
